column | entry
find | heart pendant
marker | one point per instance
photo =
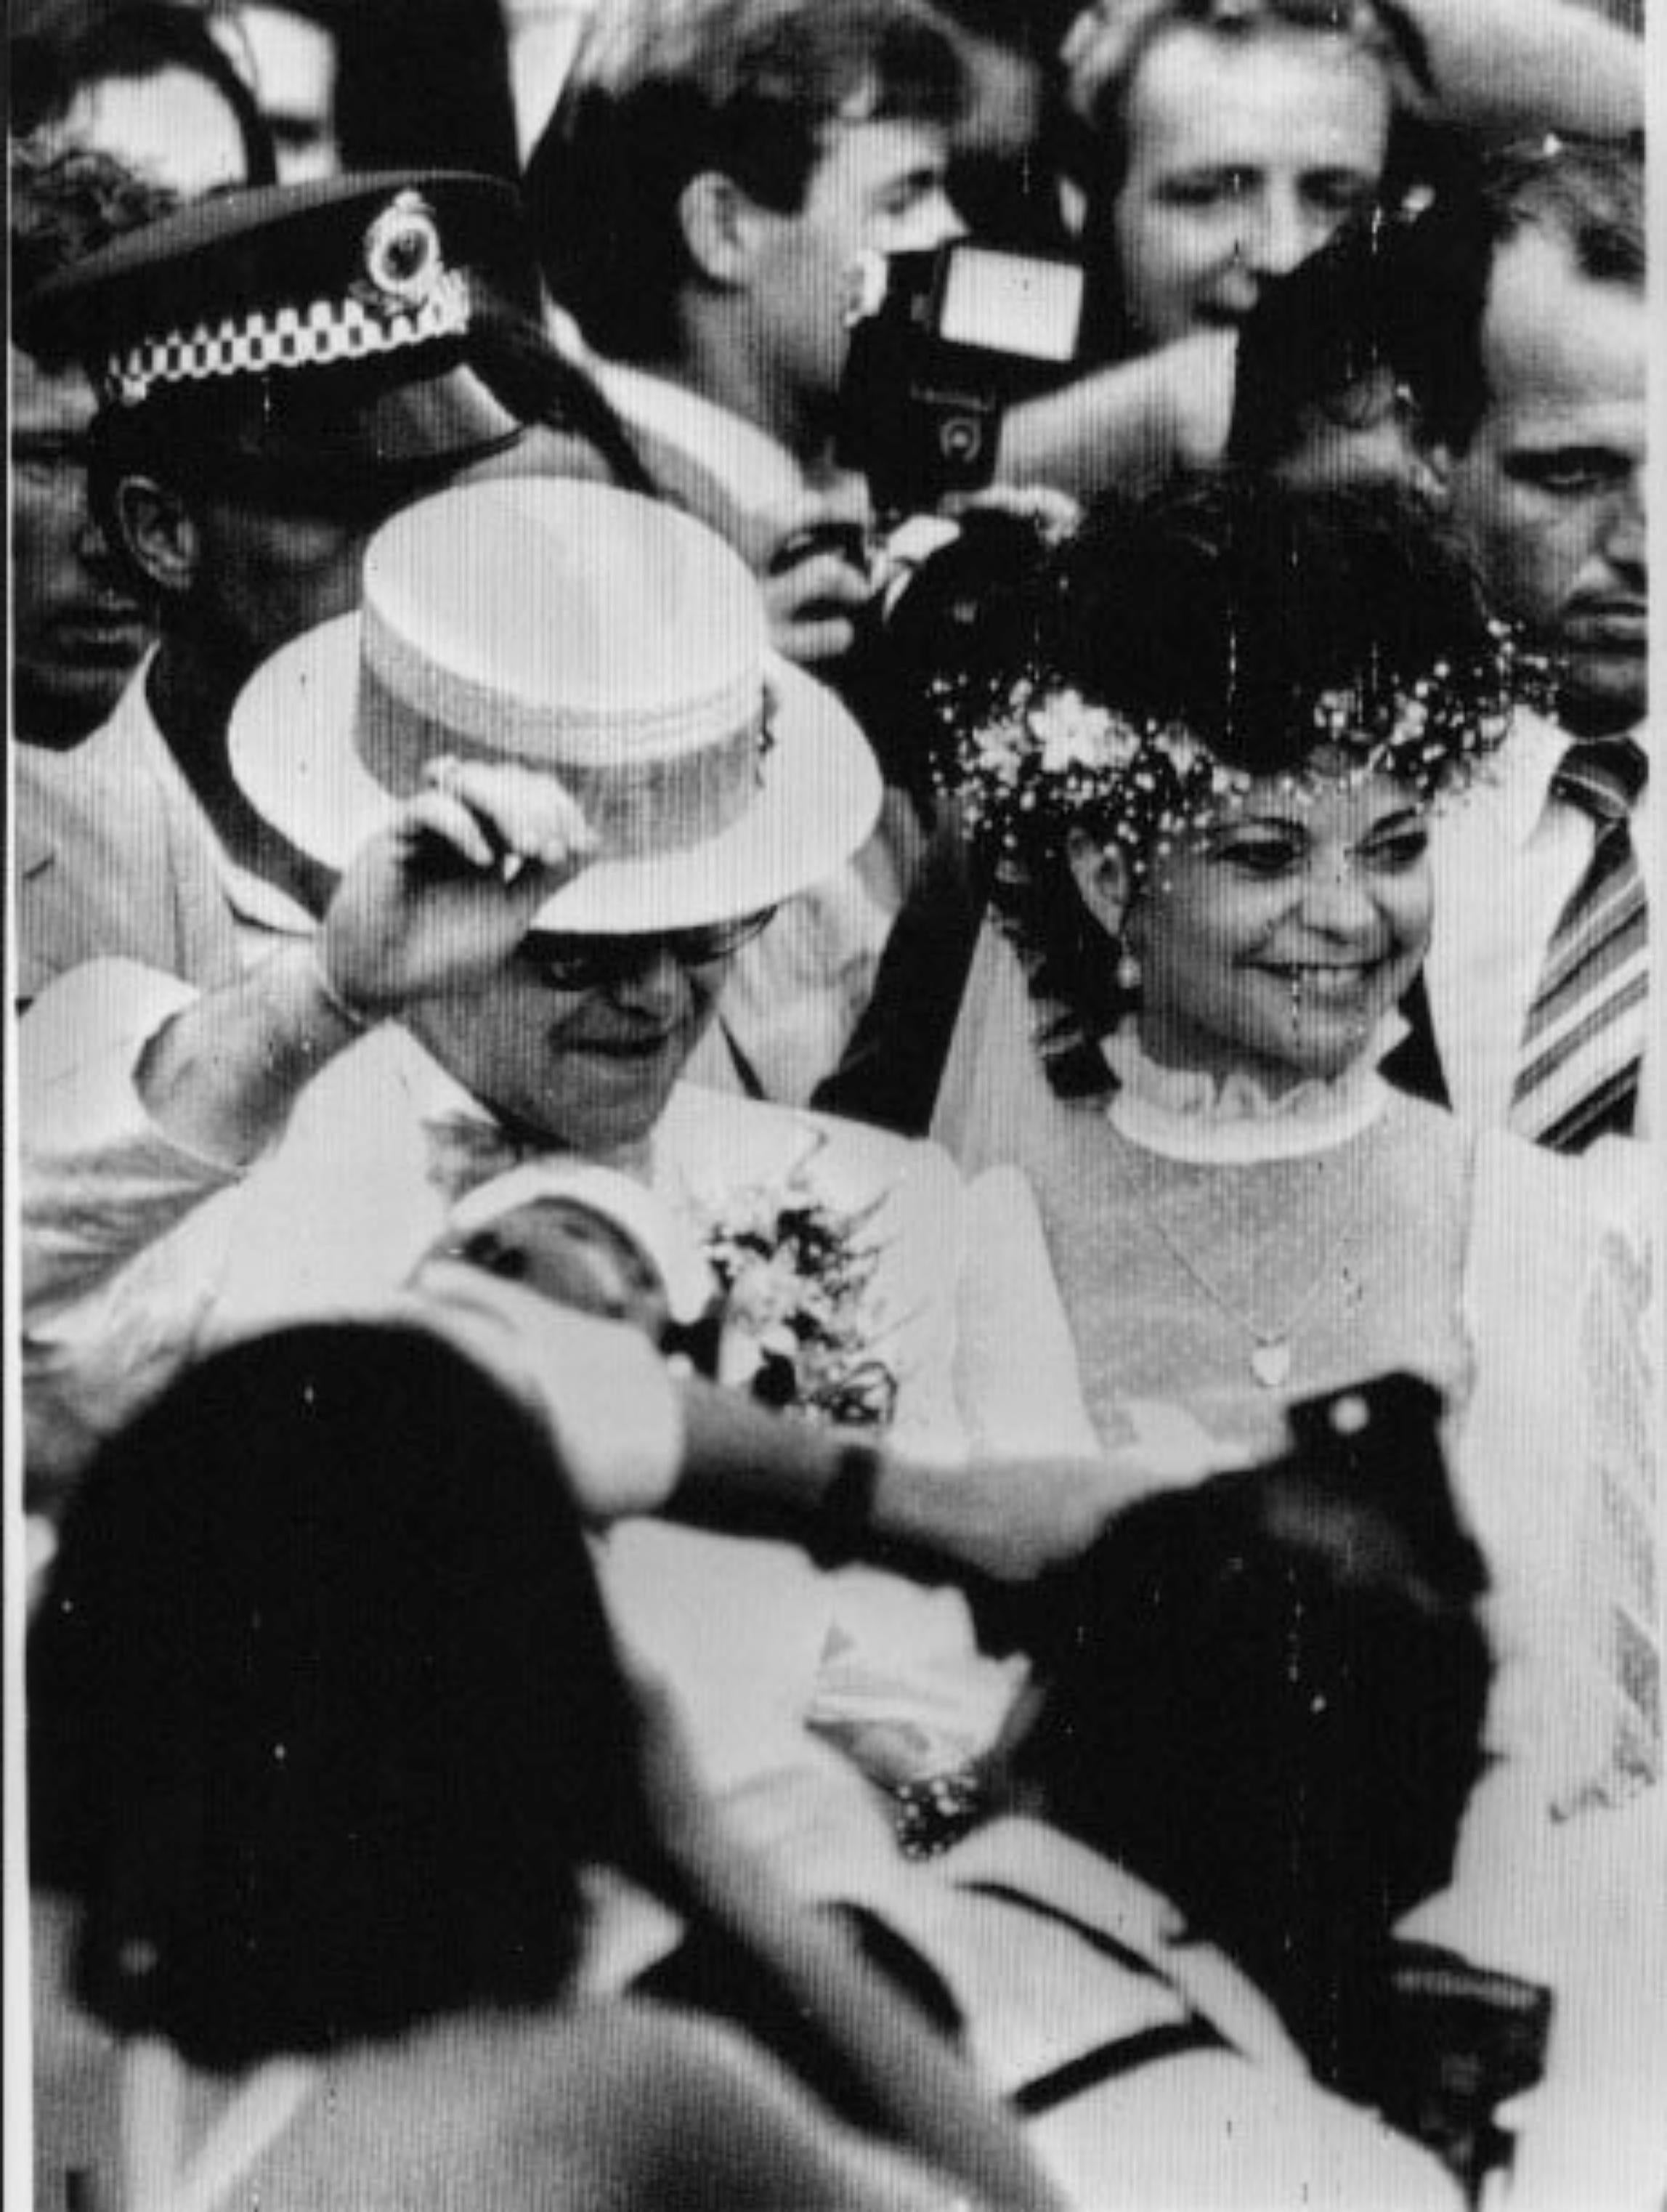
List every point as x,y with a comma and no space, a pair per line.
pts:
1270,1362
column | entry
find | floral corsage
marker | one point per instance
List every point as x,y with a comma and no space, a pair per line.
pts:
802,1317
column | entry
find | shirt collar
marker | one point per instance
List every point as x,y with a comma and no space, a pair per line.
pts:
435,1094
1517,790
753,468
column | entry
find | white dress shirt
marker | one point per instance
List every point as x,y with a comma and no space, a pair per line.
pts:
140,1256
1507,857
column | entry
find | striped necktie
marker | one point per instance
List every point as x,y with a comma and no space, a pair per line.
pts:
1583,1041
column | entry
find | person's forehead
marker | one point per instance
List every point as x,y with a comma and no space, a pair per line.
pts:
1559,349
1328,797
1197,98
869,154
49,400
174,126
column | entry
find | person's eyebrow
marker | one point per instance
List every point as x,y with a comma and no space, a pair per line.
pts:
1551,451
1411,816
1291,823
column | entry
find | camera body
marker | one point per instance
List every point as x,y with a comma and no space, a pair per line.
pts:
942,344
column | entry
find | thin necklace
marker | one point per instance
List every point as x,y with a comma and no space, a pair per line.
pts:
1270,1343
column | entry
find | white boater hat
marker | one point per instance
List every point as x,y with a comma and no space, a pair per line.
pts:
570,627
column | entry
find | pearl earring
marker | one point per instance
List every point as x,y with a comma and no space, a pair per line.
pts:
1128,973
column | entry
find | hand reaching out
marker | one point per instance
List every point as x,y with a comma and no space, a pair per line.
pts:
814,573
441,897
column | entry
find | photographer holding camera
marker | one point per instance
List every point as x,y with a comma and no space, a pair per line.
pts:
738,163
710,176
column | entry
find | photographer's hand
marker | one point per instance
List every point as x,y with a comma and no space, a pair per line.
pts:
816,579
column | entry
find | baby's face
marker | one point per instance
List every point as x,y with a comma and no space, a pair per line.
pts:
575,1257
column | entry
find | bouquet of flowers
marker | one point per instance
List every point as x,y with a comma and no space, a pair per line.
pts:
802,1319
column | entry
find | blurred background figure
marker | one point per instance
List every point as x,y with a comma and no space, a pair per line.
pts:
116,113
78,624
1203,149
289,50
144,80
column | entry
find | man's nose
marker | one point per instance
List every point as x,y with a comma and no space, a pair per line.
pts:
1277,230
92,544
653,983
1627,533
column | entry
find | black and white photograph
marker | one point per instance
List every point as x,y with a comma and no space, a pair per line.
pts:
836,1144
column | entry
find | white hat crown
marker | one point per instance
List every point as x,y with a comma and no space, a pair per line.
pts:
573,628
591,635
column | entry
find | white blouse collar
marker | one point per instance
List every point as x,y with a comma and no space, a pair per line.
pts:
1187,1115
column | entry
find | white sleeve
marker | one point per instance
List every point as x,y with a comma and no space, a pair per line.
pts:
124,1234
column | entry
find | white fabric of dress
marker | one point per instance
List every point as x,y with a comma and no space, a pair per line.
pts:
1524,1285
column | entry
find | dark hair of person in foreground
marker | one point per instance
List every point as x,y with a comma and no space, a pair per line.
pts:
1269,1702
345,1785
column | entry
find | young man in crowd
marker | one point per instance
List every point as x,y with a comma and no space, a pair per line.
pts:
77,625
735,160
1220,142
237,477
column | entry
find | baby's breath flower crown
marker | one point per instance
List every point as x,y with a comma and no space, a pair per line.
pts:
1029,767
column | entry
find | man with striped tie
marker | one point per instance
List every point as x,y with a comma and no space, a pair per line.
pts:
1538,974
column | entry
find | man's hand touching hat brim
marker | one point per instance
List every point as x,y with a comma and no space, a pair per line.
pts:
437,902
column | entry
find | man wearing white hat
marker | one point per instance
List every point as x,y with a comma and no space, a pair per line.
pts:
564,779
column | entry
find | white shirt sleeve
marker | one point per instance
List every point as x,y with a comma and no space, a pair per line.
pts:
123,1232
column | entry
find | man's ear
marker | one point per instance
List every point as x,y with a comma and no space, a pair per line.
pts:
721,226
159,534
1105,881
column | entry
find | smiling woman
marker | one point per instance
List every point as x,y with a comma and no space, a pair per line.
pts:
1201,807
1197,794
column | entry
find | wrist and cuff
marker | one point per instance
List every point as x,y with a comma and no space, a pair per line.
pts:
334,999
843,1527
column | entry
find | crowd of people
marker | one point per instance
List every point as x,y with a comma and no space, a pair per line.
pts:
838,1311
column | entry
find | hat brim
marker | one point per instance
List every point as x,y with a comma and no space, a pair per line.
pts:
292,749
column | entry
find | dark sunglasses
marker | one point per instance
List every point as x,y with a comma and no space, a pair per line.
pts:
583,963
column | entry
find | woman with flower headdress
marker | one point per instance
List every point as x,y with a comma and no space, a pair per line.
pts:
1199,799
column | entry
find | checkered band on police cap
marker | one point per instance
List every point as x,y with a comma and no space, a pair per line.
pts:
324,331
404,295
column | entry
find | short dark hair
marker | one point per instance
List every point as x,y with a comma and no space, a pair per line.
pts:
1586,193
1410,297
70,45
665,90
323,1709
1367,322
66,204
1264,1695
